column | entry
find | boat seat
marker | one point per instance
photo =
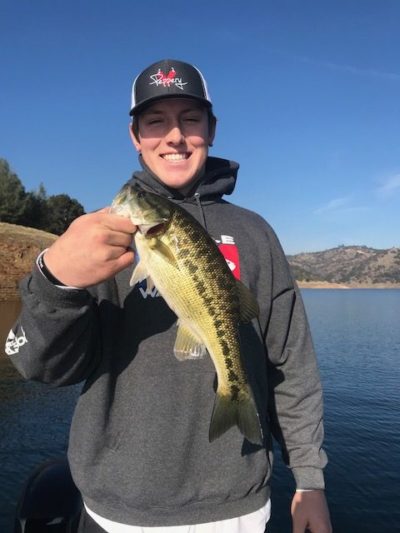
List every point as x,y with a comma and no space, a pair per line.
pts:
50,501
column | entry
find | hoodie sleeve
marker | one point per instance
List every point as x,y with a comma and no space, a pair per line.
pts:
296,404
55,338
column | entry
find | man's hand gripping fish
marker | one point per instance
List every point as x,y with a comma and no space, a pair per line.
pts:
180,259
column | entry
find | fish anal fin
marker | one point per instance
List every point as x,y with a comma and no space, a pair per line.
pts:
187,345
249,308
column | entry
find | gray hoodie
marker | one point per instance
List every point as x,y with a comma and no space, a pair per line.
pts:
139,449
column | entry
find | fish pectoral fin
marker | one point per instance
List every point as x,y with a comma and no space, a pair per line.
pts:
163,251
249,308
139,274
187,345
149,285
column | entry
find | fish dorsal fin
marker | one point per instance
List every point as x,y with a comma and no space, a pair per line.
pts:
249,308
187,345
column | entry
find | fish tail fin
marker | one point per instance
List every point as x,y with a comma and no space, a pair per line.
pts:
241,411
248,419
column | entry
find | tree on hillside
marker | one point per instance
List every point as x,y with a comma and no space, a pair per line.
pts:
12,195
36,211
62,210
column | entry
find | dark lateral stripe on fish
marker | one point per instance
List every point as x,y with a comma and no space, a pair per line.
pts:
235,390
228,362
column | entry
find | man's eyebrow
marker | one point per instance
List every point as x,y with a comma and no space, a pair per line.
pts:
152,112
189,109
161,112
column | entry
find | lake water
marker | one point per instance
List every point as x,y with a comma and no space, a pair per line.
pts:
357,338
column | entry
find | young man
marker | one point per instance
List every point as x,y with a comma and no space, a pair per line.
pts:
139,448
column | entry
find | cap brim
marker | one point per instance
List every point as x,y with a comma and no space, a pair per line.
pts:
146,103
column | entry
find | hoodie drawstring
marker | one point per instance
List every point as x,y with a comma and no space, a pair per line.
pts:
199,205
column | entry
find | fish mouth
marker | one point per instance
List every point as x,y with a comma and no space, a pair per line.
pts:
152,231
176,156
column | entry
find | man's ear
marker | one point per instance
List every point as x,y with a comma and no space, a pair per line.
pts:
211,134
134,138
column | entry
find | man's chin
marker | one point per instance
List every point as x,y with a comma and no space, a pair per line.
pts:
181,183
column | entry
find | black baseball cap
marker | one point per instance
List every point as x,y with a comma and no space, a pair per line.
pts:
168,78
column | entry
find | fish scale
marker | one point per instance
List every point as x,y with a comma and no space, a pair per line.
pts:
183,262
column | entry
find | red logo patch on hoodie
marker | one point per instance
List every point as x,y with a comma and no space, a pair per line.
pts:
230,251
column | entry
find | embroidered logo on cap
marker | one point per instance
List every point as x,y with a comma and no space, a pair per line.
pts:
166,80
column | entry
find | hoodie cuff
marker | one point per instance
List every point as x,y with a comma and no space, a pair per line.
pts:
41,265
36,285
309,478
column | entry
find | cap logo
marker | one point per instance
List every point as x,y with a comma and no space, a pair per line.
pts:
166,80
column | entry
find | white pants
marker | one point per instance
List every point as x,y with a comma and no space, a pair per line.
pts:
251,523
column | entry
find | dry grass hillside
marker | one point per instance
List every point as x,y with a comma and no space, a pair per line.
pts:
348,266
19,247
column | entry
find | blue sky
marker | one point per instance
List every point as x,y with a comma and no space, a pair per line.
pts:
306,93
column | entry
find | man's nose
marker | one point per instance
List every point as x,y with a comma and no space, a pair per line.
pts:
175,135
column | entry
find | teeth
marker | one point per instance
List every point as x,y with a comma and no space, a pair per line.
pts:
175,157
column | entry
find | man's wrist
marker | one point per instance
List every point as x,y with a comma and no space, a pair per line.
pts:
40,263
45,271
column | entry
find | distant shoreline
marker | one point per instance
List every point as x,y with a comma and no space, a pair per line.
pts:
11,294
328,285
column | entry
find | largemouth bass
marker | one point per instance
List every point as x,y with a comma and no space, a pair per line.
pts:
180,259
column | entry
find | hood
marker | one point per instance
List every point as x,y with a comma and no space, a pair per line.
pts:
219,179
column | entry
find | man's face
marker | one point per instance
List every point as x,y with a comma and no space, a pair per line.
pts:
173,140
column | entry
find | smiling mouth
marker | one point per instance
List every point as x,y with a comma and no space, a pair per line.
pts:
176,157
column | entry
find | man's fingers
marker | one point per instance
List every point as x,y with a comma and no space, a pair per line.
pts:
119,239
125,260
117,222
95,247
